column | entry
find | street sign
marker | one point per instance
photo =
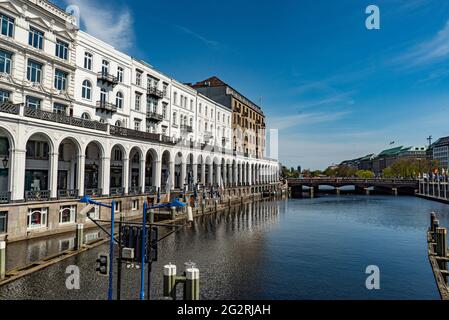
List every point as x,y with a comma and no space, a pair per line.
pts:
83,213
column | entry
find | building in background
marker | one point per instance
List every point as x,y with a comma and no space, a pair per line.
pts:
439,151
248,118
377,163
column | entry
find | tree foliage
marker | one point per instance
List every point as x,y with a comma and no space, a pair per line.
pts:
409,168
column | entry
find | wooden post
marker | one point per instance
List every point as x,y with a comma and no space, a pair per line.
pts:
433,216
2,260
79,239
170,281
441,246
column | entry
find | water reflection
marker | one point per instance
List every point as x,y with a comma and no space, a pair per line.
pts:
298,249
26,252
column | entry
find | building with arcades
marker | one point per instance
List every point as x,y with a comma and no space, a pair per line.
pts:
78,117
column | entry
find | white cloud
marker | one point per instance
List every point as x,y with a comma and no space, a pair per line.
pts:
429,51
112,24
209,43
302,119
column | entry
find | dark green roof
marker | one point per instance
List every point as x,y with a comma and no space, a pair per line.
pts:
390,152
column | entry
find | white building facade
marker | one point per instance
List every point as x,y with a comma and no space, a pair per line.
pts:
78,117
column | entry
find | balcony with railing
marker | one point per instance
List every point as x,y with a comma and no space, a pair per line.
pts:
135,190
150,190
208,135
5,197
155,92
68,194
155,117
186,128
106,78
9,107
134,134
63,119
41,195
117,191
93,192
107,107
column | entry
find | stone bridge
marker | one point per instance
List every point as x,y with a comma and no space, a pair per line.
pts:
391,186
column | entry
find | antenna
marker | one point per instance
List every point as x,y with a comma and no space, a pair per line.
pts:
430,140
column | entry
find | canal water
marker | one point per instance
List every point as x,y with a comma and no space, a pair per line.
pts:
289,249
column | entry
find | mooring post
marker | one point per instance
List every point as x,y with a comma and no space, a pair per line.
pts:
436,224
170,281
433,216
151,218
192,285
173,213
79,239
2,260
441,246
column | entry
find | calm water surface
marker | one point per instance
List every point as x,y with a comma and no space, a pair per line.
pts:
296,249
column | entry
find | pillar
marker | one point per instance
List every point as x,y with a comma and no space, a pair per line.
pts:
157,171
142,173
219,175
195,173
105,172
203,173
225,175
53,175
211,174
171,166
240,180
250,176
2,260
17,166
183,174
126,175
81,174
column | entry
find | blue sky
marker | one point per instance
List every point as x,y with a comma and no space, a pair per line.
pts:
334,89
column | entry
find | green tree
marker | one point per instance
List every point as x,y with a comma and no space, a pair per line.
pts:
365,174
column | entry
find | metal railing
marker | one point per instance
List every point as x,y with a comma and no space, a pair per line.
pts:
150,189
64,119
155,92
135,190
9,107
5,196
186,128
154,116
106,77
93,192
68,194
134,134
117,191
41,195
107,106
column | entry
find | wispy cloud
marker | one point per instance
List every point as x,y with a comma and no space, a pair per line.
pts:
429,51
285,122
111,24
208,42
